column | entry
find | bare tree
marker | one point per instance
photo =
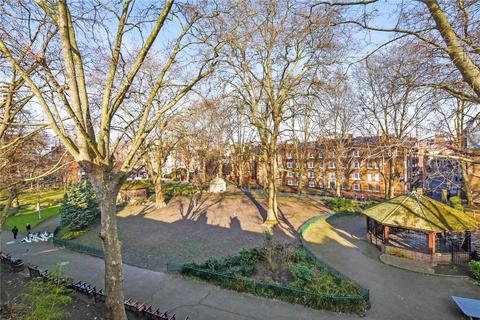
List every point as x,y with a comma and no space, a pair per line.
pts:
393,104
338,118
89,105
275,48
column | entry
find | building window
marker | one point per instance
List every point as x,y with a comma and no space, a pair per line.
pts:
320,164
311,175
320,185
311,164
377,177
377,188
356,187
290,174
321,175
289,155
332,176
369,177
311,156
333,154
331,165
370,188
290,182
369,165
311,184
344,186
320,156
289,165
356,176
356,153
356,165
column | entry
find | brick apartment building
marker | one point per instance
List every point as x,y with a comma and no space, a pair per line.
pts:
363,162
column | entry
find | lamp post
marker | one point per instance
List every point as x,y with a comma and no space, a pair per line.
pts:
38,203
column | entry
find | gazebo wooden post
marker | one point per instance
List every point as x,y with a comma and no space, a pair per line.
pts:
431,242
386,232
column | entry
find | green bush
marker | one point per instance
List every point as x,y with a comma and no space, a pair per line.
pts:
79,207
46,300
137,184
339,204
475,269
456,202
313,285
302,275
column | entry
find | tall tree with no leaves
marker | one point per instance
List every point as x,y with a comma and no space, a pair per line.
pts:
92,74
274,50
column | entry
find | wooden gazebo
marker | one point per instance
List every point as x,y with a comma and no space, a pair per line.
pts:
418,227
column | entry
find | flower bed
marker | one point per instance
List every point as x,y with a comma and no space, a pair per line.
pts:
286,272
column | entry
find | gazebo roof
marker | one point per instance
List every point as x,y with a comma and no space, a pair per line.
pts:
418,212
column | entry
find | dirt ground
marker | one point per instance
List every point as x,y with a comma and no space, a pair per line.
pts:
13,284
197,227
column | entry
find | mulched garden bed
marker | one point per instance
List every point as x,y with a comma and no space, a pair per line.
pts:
284,271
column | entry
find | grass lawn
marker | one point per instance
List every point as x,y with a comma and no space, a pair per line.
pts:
31,216
28,199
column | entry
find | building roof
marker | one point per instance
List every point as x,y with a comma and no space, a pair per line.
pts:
418,212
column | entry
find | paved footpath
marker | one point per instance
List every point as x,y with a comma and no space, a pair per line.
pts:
185,297
394,293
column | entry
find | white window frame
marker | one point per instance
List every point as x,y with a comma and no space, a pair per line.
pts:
289,155
377,177
356,187
331,165
356,165
356,153
289,164
311,165
311,175
289,182
370,188
369,177
355,176
311,184
377,188
290,174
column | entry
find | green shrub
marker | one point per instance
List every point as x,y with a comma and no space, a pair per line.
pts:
475,269
46,300
302,275
136,184
339,204
79,208
456,202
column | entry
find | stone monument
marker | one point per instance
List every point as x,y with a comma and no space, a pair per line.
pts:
217,185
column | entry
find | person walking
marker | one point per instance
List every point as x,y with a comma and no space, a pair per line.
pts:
29,228
15,232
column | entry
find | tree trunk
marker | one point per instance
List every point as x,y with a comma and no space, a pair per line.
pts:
271,200
391,181
159,195
106,190
6,209
240,175
466,184
220,168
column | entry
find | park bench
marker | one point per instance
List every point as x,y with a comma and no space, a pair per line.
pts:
150,313
16,265
133,306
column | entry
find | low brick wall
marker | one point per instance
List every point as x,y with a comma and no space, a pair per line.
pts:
414,255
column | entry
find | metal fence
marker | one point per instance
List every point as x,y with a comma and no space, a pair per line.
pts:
317,300
76,246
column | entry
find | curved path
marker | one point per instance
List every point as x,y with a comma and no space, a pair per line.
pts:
394,293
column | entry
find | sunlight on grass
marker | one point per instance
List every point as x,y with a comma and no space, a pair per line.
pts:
320,232
31,216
